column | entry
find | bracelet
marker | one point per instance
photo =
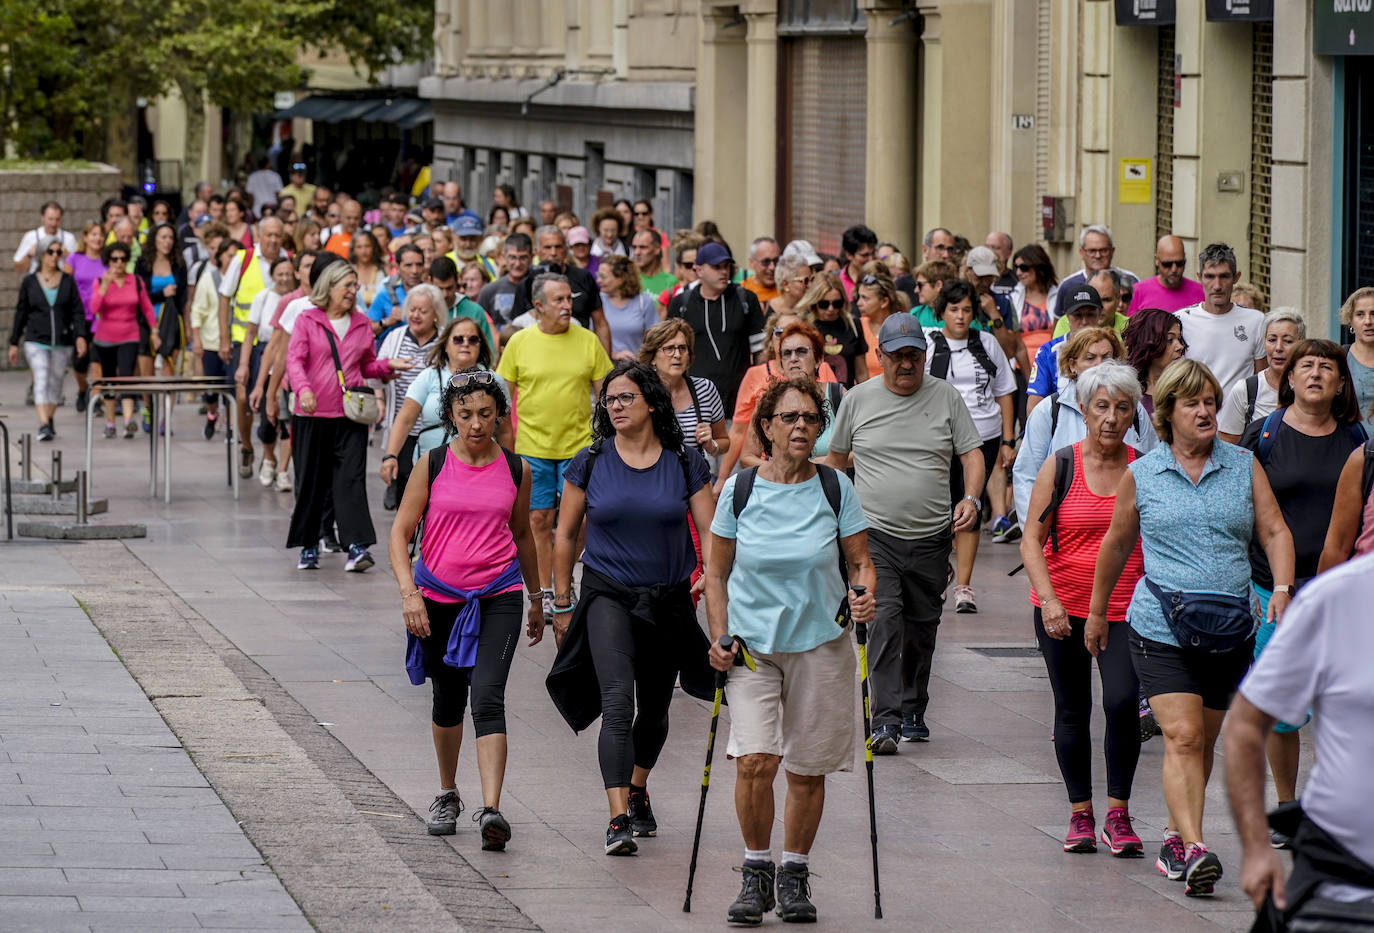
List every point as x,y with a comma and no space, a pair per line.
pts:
974,499
414,592
389,457
566,607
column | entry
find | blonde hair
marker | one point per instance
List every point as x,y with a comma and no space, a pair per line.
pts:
1348,309
655,337
1077,343
1183,378
1248,295
333,274
821,285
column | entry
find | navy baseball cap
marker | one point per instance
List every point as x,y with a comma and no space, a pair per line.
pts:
901,332
467,225
713,254
1084,296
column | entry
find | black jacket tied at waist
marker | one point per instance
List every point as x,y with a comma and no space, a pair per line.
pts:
1317,858
572,682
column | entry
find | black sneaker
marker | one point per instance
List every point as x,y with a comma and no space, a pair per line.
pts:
209,430
310,559
1171,862
1202,873
443,814
755,894
794,894
358,559
914,729
330,543
46,432
642,814
83,398
885,739
1278,840
620,839
493,827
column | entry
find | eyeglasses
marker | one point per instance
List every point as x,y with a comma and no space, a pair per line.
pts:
806,282
796,352
622,400
922,283
1022,267
767,262
644,213
1101,251
676,349
118,258
466,340
808,418
837,304
1172,263
481,377
54,252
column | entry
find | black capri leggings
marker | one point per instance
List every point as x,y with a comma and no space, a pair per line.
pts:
117,359
1070,669
487,680
630,657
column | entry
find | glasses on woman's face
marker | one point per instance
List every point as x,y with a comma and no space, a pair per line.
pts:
119,259
55,251
837,304
1022,267
481,377
621,399
674,349
789,418
465,340
644,213
797,353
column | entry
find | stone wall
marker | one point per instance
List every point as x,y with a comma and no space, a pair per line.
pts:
23,192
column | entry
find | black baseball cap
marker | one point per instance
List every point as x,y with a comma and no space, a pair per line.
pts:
1084,296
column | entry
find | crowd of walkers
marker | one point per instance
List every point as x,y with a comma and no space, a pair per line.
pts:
812,447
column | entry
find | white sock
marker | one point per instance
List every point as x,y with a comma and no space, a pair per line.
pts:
796,858
448,790
758,855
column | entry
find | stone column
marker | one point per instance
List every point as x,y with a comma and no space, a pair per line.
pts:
759,126
721,115
890,164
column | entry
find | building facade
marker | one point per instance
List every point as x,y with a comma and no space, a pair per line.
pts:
582,102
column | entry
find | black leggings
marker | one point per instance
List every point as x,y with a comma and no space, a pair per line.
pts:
1070,668
629,655
117,359
487,679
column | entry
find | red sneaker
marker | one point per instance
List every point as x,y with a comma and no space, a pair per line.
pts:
1082,836
1118,835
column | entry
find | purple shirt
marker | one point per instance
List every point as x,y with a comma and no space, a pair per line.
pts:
1150,294
86,271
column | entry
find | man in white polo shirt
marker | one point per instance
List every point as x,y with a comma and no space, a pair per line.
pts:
1225,336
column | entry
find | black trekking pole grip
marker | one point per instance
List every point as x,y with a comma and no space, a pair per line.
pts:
725,643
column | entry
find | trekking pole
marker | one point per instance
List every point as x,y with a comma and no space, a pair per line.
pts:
861,631
725,642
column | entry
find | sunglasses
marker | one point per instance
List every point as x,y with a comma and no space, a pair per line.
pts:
808,418
480,377
465,340
797,352
119,258
767,262
1172,263
1022,267
837,304
644,213
54,252
869,280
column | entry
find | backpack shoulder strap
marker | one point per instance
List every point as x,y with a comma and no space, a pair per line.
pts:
834,393
1054,413
436,458
1267,433
516,466
1367,476
980,352
696,402
744,485
830,483
939,357
1251,394
1063,481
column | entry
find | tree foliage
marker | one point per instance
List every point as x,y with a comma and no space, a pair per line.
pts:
67,65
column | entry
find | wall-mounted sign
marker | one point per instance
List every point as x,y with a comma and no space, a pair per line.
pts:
1145,12
1240,11
1023,121
1135,181
1343,27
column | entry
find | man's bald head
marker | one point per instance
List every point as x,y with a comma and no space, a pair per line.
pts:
1170,261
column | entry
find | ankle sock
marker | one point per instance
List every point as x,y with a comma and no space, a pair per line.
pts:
796,859
758,856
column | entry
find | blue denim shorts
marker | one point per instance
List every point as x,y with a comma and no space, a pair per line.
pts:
546,481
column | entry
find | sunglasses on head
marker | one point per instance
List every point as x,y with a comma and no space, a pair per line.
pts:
837,304
869,279
481,377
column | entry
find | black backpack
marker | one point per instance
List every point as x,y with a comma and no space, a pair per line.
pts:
1251,393
1055,405
830,485
1063,482
435,461
939,358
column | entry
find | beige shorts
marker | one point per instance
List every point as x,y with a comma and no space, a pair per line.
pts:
799,705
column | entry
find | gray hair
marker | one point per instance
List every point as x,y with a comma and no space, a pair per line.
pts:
759,241
1114,276
44,242
543,282
791,267
929,238
1216,254
1100,230
548,230
425,290
333,274
1285,315
1118,377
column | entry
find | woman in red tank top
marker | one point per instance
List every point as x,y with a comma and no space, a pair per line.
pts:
1064,528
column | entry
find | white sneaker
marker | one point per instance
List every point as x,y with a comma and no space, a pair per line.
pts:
963,599
283,482
268,472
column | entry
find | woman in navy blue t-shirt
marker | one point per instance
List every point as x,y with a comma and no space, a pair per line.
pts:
634,628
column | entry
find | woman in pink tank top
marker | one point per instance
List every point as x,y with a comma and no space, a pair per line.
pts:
1064,529
461,601
1351,531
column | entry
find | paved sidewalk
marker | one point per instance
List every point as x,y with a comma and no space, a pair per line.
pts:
105,822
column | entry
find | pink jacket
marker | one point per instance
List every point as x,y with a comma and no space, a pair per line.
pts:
118,310
310,365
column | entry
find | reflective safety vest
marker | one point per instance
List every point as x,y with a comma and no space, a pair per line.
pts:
251,281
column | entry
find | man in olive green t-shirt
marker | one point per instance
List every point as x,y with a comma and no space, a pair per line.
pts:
904,431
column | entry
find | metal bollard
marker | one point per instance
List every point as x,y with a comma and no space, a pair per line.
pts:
26,457
56,475
81,500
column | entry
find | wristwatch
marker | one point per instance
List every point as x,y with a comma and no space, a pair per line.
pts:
975,500
1287,589
1008,443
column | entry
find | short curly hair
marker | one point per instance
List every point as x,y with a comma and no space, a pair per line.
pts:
768,404
454,394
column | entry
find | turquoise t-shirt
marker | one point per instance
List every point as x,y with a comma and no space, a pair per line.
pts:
1363,378
426,391
785,588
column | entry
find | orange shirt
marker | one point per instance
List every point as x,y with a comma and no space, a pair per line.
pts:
764,293
339,243
871,357
755,381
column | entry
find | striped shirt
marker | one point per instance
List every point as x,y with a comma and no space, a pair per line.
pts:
705,399
1083,519
409,350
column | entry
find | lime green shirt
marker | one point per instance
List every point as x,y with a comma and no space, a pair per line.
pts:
1118,323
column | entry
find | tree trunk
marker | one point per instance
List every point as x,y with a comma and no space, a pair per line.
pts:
193,98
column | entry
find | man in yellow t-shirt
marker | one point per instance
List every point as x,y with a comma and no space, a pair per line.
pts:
553,369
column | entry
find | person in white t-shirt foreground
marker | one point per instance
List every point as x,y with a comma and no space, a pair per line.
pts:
1224,336
986,384
1257,396
1318,660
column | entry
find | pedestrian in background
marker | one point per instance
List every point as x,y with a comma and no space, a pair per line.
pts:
50,320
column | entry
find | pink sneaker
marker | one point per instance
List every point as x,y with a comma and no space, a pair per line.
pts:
1118,835
1082,836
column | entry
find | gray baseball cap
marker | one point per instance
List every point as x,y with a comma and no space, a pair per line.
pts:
900,332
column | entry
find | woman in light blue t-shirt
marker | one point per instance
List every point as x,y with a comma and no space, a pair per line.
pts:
773,582
460,346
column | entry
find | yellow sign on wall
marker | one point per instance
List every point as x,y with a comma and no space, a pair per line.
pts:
1135,181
